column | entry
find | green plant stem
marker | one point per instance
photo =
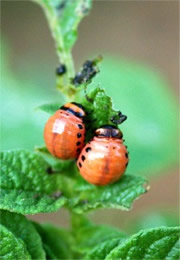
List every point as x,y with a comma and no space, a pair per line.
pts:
65,57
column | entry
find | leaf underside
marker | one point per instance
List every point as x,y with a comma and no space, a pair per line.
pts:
23,231
11,247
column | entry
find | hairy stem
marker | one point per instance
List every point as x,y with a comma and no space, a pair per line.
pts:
65,57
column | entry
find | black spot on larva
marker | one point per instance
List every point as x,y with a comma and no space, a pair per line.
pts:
126,164
88,149
126,154
78,143
80,165
79,135
83,157
78,150
114,147
126,146
80,126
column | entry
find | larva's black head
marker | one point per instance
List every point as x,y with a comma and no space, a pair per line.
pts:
109,131
75,109
78,105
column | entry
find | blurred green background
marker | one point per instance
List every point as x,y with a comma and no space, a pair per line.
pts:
139,40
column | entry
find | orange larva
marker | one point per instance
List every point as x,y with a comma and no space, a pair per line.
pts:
105,158
64,132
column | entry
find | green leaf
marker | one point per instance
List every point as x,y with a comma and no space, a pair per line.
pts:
151,128
50,108
12,247
117,195
56,241
24,230
82,196
64,18
26,186
30,184
157,243
88,235
101,250
99,109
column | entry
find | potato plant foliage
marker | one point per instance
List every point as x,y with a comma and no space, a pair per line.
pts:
34,182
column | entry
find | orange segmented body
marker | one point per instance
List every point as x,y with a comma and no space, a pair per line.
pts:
64,132
105,158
